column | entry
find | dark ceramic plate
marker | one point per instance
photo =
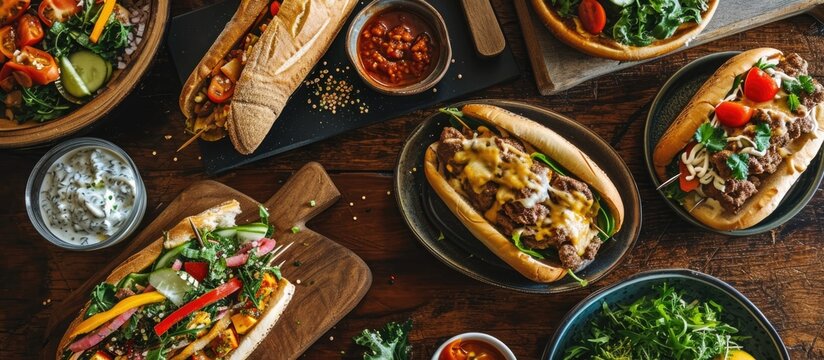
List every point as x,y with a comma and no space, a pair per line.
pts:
763,343
446,237
673,97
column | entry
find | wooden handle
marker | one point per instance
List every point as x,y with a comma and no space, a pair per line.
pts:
290,206
486,32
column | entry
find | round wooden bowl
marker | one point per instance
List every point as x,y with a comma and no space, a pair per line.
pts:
33,133
571,32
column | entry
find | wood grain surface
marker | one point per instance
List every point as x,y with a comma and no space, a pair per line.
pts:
559,67
330,279
781,271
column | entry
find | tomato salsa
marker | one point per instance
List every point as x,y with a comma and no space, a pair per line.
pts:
471,350
397,48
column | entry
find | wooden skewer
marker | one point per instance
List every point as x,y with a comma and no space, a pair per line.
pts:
278,252
192,139
197,233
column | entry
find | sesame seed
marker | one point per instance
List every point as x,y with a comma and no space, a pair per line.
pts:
351,204
331,338
355,218
175,158
154,153
363,197
297,281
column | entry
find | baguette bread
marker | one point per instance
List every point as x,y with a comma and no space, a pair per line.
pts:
572,33
544,140
222,215
772,188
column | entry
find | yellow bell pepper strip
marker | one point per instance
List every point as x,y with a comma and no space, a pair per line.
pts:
201,342
124,305
100,24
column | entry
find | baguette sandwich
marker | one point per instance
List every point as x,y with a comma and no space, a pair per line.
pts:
744,139
535,200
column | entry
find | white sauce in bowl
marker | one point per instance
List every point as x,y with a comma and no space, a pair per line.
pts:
87,195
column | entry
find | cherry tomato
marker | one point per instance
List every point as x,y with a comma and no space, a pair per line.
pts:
29,31
37,64
453,351
759,86
733,114
274,8
10,10
687,185
51,11
220,89
592,16
8,42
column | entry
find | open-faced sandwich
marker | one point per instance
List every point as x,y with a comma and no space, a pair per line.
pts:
207,289
744,139
626,29
534,199
263,54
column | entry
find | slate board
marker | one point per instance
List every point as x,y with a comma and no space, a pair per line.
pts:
333,279
558,67
299,124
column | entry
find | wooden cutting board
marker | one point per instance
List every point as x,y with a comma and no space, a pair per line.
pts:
558,67
333,279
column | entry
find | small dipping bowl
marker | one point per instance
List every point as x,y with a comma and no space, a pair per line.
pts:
489,339
38,175
440,37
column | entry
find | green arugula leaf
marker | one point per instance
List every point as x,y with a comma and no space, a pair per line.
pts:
739,164
735,84
551,163
516,239
565,8
389,343
102,299
762,136
806,83
713,138
763,65
793,103
582,282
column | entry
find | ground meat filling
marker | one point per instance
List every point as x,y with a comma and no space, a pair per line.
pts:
513,215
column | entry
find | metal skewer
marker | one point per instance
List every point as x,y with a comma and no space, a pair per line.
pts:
696,204
669,181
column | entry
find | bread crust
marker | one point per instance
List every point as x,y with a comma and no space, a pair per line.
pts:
772,189
544,140
146,257
572,33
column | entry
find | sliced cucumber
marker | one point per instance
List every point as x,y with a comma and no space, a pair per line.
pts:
65,93
227,233
109,71
91,67
169,257
169,283
251,232
622,3
71,80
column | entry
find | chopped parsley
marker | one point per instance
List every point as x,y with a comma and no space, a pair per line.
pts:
713,138
762,136
739,164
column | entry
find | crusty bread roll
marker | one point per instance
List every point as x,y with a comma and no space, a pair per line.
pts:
571,32
222,215
551,144
772,189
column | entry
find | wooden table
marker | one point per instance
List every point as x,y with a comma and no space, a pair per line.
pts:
781,271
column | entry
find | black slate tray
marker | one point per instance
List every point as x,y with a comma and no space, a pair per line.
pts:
299,124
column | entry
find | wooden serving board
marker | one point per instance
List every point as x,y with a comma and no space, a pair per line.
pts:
333,279
558,67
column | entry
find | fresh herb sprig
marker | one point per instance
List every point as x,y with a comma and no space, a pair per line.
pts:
64,38
713,138
41,103
795,87
389,343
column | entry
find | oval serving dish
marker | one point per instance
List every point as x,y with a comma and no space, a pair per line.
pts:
122,82
671,99
437,228
763,343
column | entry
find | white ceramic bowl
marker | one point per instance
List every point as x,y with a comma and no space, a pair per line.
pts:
489,339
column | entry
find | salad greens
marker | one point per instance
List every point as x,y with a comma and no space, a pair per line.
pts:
389,343
663,325
102,299
42,103
64,38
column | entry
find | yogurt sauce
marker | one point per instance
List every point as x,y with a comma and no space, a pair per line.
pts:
87,195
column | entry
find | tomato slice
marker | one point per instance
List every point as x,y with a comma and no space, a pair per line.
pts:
453,351
274,9
10,10
8,42
51,11
733,114
29,31
220,89
198,269
592,15
37,64
759,86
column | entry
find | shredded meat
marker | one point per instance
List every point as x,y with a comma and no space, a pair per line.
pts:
523,215
766,164
451,143
719,161
799,126
568,184
793,65
736,192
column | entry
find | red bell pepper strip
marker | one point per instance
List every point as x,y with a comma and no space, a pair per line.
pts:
204,300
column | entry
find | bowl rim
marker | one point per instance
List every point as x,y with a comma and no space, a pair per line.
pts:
551,351
473,335
45,163
437,21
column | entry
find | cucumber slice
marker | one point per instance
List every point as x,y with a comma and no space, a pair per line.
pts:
65,93
91,68
71,80
622,3
169,283
169,257
227,233
109,71
251,232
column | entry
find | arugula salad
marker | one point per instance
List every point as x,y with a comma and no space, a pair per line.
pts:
632,22
58,54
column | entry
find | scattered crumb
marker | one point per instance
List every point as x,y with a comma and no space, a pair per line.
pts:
351,204
331,338
167,137
154,153
297,281
175,158
388,193
453,61
198,157
434,90
355,218
460,76
363,197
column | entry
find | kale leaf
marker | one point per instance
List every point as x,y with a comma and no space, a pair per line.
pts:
389,343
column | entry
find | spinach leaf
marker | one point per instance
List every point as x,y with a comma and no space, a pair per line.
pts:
713,138
389,343
551,163
762,136
644,21
516,239
739,164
